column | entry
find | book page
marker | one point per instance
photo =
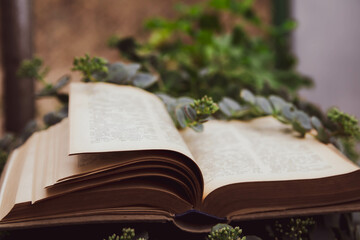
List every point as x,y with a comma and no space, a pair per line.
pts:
260,150
10,182
42,160
25,189
107,117
17,179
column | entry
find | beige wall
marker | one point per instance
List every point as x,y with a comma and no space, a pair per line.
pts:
327,43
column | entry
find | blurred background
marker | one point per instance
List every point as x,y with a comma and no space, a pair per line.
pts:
326,44
325,40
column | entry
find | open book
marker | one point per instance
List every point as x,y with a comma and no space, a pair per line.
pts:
119,157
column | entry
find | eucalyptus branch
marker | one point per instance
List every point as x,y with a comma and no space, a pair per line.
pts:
33,68
343,131
127,234
96,69
225,232
187,112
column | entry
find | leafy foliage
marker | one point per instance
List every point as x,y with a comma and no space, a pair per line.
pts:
32,68
294,229
341,129
337,127
225,232
205,106
187,112
195,54
127,234
346,125
90,66
97,69
256,106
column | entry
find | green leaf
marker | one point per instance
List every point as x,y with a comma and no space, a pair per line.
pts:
238,35
62,82
229,106
184,100
198,127
316,123
190,113
210,22
117,73
303,119
144,80
132,69
288,111
263,104
277,102
219,4
181,117
113,41
170,102
51,90
54,117
301,122
288,26
159,37
204,37
247,96
322,134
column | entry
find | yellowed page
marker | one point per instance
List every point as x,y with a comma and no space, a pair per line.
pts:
25,188
10,184
57,141
68,167
41,164
15,179
50,151
107,117
261,150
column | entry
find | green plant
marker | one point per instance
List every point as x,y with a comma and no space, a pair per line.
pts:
97,69
89,66
187,112
127,234
293,228
32,68
345,124
225,232
195,54
337,127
